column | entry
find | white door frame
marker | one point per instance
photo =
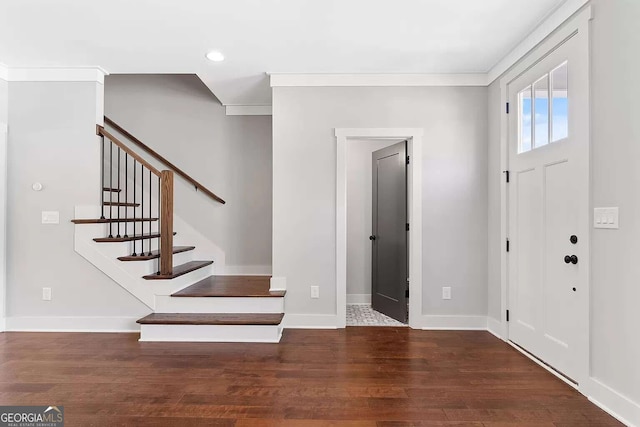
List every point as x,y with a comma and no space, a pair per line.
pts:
578,26
414,178
3,225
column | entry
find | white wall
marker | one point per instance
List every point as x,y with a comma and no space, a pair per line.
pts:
52,140
359,211
178,117
615,290
454,187
615,144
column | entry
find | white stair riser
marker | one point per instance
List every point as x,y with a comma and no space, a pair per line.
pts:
167,304
211,333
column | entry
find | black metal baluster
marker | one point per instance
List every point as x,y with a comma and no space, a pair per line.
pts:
110,189
102,179
134,202
142,210
118,207
126,194
150,187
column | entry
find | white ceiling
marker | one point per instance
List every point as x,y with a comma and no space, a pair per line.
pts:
260,36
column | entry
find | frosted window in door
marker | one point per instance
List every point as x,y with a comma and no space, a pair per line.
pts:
560,103
541,111
525,119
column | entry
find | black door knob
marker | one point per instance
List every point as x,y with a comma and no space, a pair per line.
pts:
372,237
571,259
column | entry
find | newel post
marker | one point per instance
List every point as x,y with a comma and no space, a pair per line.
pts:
166,222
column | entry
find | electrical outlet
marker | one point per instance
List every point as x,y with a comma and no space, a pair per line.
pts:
315,292
46,294
446,292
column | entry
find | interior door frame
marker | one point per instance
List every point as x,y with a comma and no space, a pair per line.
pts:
578,26
414,199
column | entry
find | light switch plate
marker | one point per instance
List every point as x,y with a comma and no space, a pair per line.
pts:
50,217
446,292
605,218
46,294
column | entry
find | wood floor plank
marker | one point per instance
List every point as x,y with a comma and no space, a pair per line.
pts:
358,377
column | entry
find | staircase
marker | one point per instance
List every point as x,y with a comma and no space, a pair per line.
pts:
130,237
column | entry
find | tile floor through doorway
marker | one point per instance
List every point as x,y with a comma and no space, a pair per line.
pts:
364,315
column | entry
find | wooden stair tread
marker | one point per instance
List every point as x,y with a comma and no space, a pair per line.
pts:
112,220
179,270
212,319
129,238
113,190
135,205
155,254
230,286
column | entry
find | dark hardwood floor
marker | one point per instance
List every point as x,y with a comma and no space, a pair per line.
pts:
353,377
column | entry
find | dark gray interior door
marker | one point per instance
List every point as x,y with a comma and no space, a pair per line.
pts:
389,234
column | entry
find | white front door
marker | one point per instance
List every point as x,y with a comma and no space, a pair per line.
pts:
548,154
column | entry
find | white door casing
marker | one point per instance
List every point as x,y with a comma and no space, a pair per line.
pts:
414,187
547,202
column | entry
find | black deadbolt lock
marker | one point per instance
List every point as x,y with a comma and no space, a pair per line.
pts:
573,239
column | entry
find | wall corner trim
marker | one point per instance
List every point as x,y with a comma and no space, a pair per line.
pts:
4,72
39,74
248,110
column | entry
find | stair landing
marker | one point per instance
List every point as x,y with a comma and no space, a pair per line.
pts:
231,286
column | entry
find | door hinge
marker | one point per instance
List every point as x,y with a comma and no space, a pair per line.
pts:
507,315
408,159
507,245
506,174
407,226
507,108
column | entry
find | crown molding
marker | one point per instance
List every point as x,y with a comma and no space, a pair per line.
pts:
248,110
375,80
4,72
551,23
83,74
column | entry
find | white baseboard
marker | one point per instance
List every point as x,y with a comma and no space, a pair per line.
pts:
72,324
358,298
310,321
615,404
245,270
496,328
447,323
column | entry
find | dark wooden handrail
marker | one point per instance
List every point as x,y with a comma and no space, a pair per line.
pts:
103,132
164,161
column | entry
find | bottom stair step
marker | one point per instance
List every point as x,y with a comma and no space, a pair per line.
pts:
212,319
218,327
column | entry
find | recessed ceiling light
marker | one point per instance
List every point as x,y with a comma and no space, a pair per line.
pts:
215,56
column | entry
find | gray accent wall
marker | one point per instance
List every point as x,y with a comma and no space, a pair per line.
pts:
454,120
52,140
177,116
615,179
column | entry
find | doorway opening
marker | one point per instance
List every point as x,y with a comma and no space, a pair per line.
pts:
377,250
358,296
